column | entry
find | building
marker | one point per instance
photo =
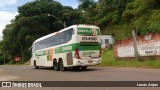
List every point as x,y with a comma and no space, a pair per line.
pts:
107,40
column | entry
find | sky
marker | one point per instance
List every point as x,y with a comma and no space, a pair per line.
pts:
8,10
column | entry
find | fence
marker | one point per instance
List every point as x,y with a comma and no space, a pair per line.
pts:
148,45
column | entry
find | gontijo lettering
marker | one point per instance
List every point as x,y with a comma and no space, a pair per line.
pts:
88,31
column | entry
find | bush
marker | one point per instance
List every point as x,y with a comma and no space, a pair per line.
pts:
115,17
104,21
152,23
127,15
1,60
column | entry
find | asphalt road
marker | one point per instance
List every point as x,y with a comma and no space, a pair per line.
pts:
28,73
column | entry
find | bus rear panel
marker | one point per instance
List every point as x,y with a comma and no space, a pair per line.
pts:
88,51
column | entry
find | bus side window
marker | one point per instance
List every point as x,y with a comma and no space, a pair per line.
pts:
62,37
56,40
69,34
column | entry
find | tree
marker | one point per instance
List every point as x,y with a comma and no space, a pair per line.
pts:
33,22
87,9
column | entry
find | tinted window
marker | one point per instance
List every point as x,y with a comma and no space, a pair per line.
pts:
62,37
69,34
57,39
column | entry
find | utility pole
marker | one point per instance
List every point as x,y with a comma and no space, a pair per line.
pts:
64,24
134,33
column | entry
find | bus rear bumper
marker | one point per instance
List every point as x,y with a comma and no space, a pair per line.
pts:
81,62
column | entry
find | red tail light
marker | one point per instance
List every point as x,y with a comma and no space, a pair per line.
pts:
100,52
77,54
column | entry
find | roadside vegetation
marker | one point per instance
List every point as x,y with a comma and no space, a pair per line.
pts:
109,60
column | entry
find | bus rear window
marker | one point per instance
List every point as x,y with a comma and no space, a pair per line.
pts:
89,43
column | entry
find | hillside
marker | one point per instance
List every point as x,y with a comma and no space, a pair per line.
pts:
147,23
144,17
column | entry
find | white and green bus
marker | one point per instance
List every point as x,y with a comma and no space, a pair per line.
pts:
77,46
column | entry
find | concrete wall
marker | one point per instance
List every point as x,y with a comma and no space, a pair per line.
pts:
148,45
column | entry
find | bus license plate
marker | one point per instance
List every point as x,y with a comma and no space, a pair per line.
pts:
90,61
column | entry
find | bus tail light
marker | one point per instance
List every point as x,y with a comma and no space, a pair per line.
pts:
76,55
100,52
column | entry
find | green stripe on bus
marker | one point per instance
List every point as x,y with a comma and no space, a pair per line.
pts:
81,48
49,51
72,47
47,57
56,50
69,48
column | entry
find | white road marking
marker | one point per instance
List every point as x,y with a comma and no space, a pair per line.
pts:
6,78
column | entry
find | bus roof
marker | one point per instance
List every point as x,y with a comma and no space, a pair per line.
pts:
73,26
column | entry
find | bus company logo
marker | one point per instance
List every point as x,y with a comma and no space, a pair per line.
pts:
67,48
94,32
6,84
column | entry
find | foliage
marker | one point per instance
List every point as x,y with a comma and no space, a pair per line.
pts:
152,25
1,60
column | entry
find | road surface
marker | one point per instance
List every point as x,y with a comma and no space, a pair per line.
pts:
28,73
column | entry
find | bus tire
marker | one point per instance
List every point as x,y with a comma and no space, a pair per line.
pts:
61,66
84,67
76,68
35,65
55,65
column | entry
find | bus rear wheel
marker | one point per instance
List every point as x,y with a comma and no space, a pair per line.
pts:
55,65
84,67
35,65
76,68
61,66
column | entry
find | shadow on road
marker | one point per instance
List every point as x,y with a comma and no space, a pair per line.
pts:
70,69
87,70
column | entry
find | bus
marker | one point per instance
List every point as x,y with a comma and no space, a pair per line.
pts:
77,46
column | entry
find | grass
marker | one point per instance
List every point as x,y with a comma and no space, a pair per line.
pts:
109,60
11,63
